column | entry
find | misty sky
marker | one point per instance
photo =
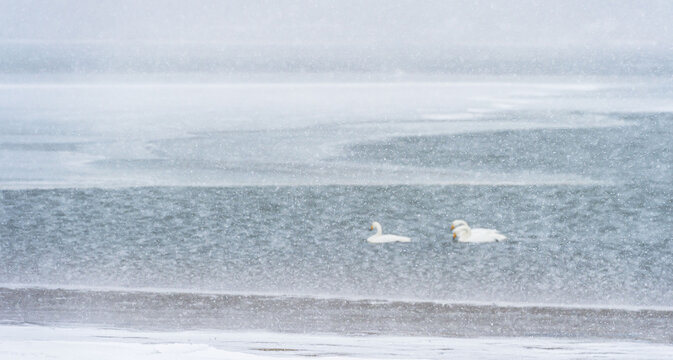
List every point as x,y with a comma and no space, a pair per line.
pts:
558,24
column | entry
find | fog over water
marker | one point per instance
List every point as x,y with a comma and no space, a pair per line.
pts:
522,37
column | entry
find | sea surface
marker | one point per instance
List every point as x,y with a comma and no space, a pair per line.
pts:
183,203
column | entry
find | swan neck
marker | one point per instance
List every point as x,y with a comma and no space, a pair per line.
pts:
378,229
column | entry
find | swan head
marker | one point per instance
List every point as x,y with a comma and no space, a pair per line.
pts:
462,230
457,223
376,226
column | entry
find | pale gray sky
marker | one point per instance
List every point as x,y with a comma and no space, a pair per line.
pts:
558,24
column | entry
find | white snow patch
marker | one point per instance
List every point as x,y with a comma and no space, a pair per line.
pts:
37,342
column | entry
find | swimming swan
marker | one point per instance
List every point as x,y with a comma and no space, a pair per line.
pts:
379,238
463,233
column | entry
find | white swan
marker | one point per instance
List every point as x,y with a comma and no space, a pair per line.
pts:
463,233
380,238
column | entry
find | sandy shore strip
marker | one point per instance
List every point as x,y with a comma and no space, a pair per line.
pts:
180,311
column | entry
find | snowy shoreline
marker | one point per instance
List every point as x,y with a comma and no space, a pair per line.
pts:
37,342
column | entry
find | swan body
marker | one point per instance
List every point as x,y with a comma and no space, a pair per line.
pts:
379,238
463,233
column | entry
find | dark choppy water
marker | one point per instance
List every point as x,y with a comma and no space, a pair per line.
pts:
567,244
